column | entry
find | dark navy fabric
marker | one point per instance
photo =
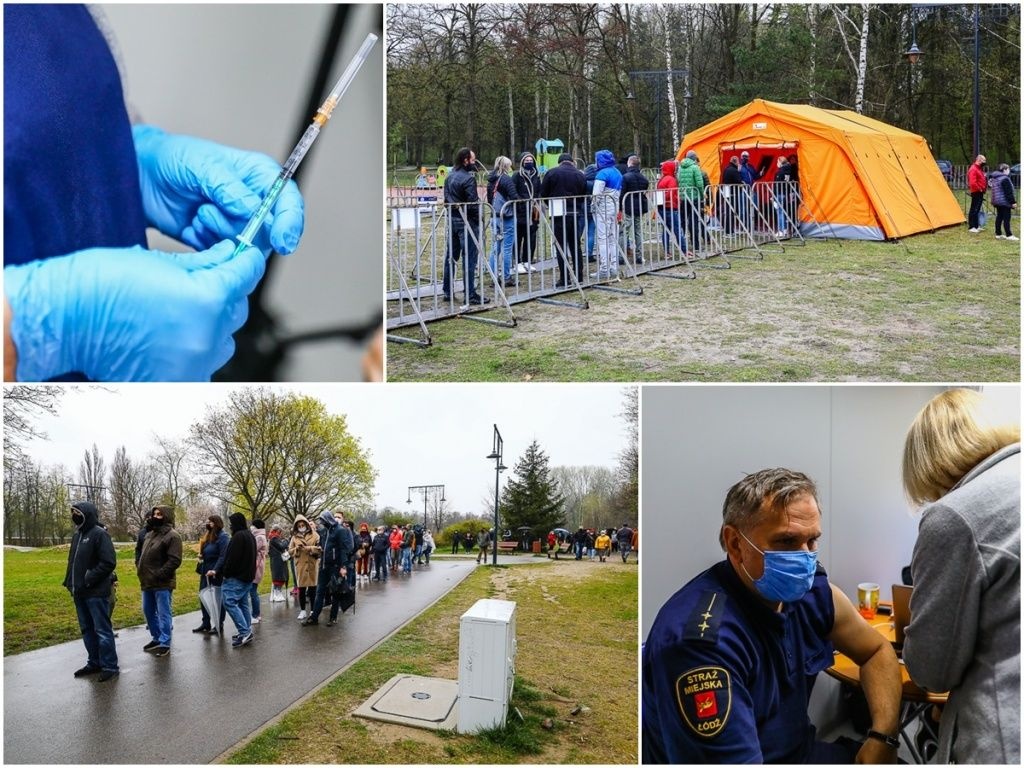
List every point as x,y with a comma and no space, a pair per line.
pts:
726,679
71,180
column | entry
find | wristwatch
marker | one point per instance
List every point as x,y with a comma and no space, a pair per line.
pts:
890,741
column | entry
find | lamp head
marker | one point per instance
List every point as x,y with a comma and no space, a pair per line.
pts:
914,54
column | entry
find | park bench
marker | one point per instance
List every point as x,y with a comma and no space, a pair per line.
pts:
508,546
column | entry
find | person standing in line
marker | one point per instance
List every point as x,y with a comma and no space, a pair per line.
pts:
260,535
237,574
634,208
501,190
668,209
1004,200
976,185
381,545
159,560
213,547
407,546
304,547
563,181
364,547
333,562
691,197
527,182
91,563
731,191
277,548
463,202
607,188
428,545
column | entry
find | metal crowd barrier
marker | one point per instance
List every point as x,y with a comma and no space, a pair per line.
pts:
538,249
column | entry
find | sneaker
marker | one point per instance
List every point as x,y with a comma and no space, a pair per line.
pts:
248,638
310,622
479,300
301,616
332,622
532,268
107,675
1012,237
161,650
256,619
522,269
974,230
235,638
1000,237
236,641
151,645
86,671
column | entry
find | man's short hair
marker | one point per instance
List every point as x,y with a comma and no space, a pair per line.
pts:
768,491
744,153
633,161
462,156
564,156
734,160
692,155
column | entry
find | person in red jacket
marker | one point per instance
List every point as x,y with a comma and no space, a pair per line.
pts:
976,185
668,208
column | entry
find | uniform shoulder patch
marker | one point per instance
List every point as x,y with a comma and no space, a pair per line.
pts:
704,696
705,618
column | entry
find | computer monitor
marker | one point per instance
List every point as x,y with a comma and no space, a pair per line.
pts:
901,610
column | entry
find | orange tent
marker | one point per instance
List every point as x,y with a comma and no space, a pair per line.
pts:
860,178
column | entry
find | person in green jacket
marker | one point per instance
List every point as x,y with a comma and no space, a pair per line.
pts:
691,197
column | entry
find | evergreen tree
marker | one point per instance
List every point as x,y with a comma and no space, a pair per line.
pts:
531,498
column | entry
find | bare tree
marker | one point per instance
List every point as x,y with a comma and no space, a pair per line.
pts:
170,460
92,473
22,404
860,62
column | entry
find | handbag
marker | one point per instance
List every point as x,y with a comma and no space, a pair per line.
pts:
199,568
286,555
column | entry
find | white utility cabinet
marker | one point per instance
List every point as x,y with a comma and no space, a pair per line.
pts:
487,654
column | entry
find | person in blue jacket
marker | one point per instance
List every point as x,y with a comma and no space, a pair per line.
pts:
83,296
731,659
607,187
213,548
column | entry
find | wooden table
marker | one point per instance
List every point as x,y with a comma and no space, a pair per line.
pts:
915,700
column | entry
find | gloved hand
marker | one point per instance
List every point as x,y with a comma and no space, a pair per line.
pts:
128,314
200,192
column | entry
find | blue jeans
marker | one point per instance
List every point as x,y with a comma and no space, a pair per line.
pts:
505,241
97,632
235,594
671,229
156,607
323,579
254,597
380,565
579,547
624,550
407,560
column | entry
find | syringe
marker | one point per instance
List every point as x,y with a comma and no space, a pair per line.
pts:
323,114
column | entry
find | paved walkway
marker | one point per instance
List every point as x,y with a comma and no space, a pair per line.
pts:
205,696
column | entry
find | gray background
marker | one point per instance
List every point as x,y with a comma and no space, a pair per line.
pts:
698,441
239,75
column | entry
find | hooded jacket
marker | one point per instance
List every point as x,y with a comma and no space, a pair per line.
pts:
277,545
691,180
335,541
669,185
260,535
607,172
305,551
161,554
633,180
527,186
91,558
240,561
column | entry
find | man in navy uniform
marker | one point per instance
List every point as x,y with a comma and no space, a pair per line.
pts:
731,659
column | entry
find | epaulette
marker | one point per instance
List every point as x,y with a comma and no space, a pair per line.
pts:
705,618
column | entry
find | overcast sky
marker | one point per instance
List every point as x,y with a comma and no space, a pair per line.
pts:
419,434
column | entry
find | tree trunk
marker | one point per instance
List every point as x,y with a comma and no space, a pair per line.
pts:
812,28
511,124
862,61
666,17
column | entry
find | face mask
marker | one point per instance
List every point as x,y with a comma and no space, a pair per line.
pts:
303,529
530,166
787,575
77,518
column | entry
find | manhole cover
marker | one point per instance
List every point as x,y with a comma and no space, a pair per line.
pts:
421,695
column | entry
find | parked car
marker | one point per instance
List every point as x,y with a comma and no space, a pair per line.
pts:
946,168
1015,175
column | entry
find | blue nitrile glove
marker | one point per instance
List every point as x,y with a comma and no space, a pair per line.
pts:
200,192
128,314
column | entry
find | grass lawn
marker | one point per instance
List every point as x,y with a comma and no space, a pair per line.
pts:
577,632
38,610
935,307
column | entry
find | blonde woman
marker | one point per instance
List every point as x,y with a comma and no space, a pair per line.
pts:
304,548
501,190
964,633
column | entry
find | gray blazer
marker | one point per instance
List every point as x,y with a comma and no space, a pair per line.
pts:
964,632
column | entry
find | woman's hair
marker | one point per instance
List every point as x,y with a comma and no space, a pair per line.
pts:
948,438
210,535
502,164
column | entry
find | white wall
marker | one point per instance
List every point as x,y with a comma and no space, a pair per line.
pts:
239,75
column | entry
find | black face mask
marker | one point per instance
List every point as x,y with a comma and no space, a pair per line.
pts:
152,524
77,518
531,167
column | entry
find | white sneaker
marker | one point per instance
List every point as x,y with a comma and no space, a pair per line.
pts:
781,233
1000,237
1011,237
256,619
301,616
521,269
532,268
974,230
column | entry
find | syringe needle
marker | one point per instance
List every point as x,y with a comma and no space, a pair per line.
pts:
323,114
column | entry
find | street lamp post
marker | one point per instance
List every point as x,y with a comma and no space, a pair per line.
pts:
497,449
425,490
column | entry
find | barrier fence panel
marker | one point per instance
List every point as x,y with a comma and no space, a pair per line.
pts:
651,235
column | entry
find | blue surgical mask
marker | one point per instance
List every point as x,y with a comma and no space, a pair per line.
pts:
787,575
